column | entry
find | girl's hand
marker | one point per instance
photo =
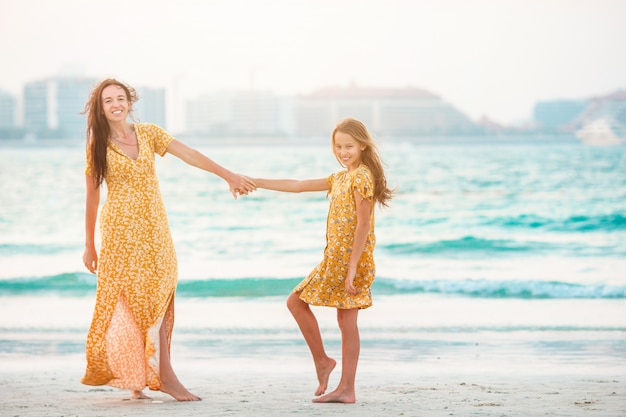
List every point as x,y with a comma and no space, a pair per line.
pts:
349,284
241,185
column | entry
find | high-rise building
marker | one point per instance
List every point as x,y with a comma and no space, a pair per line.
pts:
388,112
208,115
8,113
36,113
239,114
52,107
8,110
151,106
258,114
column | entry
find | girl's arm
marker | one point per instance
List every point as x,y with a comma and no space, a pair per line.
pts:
238,184
293,186
363,211
92,201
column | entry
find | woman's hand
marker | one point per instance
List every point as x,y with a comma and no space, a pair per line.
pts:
241,185
90,259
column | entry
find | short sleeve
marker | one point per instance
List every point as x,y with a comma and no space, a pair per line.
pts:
330,180
160,138
363,182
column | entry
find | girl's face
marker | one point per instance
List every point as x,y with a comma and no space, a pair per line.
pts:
348,150
115,103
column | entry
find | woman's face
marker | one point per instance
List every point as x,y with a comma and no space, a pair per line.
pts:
115,104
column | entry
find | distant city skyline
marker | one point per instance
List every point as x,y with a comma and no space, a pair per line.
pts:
179,123
51,109
484,57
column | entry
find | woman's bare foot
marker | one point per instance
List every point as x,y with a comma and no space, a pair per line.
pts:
179,392
138,395
323,373
346,397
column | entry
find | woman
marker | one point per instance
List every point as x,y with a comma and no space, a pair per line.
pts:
128,345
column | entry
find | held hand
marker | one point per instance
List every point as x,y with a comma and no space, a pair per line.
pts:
90,259
241,185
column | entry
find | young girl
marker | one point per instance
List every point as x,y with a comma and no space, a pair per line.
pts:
345,275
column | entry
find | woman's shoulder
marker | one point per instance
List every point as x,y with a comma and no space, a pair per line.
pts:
146,127
150,130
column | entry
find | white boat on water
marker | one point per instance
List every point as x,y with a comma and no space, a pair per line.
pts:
602,132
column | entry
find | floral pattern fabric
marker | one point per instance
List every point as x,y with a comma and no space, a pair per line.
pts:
137,270
324,286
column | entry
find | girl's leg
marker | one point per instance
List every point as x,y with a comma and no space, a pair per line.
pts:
169,381
350,349
307,322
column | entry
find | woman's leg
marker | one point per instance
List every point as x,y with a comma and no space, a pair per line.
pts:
125,351
350,349
307,322
169,381
138,395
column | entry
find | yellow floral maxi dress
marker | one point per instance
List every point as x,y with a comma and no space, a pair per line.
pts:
137,270
325,284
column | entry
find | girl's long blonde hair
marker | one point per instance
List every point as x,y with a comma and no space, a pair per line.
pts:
369,157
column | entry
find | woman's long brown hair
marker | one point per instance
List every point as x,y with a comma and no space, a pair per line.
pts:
369,157
98,129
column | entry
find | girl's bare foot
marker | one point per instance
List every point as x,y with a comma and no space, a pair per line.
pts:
346,397
179,392
323,373
138,395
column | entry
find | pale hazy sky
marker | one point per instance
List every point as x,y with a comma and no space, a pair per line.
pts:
494,58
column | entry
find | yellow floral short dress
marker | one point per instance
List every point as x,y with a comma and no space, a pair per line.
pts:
325,284
137,270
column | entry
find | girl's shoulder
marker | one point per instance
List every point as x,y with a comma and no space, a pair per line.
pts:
364,169
362,173
337,174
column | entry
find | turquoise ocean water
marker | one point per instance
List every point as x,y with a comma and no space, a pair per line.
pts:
489,250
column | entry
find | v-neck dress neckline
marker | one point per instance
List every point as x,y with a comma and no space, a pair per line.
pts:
121,151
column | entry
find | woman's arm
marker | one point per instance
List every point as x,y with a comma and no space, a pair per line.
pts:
363,212
238,184
293,186
92,201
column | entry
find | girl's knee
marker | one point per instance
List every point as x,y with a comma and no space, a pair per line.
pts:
294,302
347,318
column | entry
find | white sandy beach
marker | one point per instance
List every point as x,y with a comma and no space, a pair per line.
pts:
232,387
443,371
